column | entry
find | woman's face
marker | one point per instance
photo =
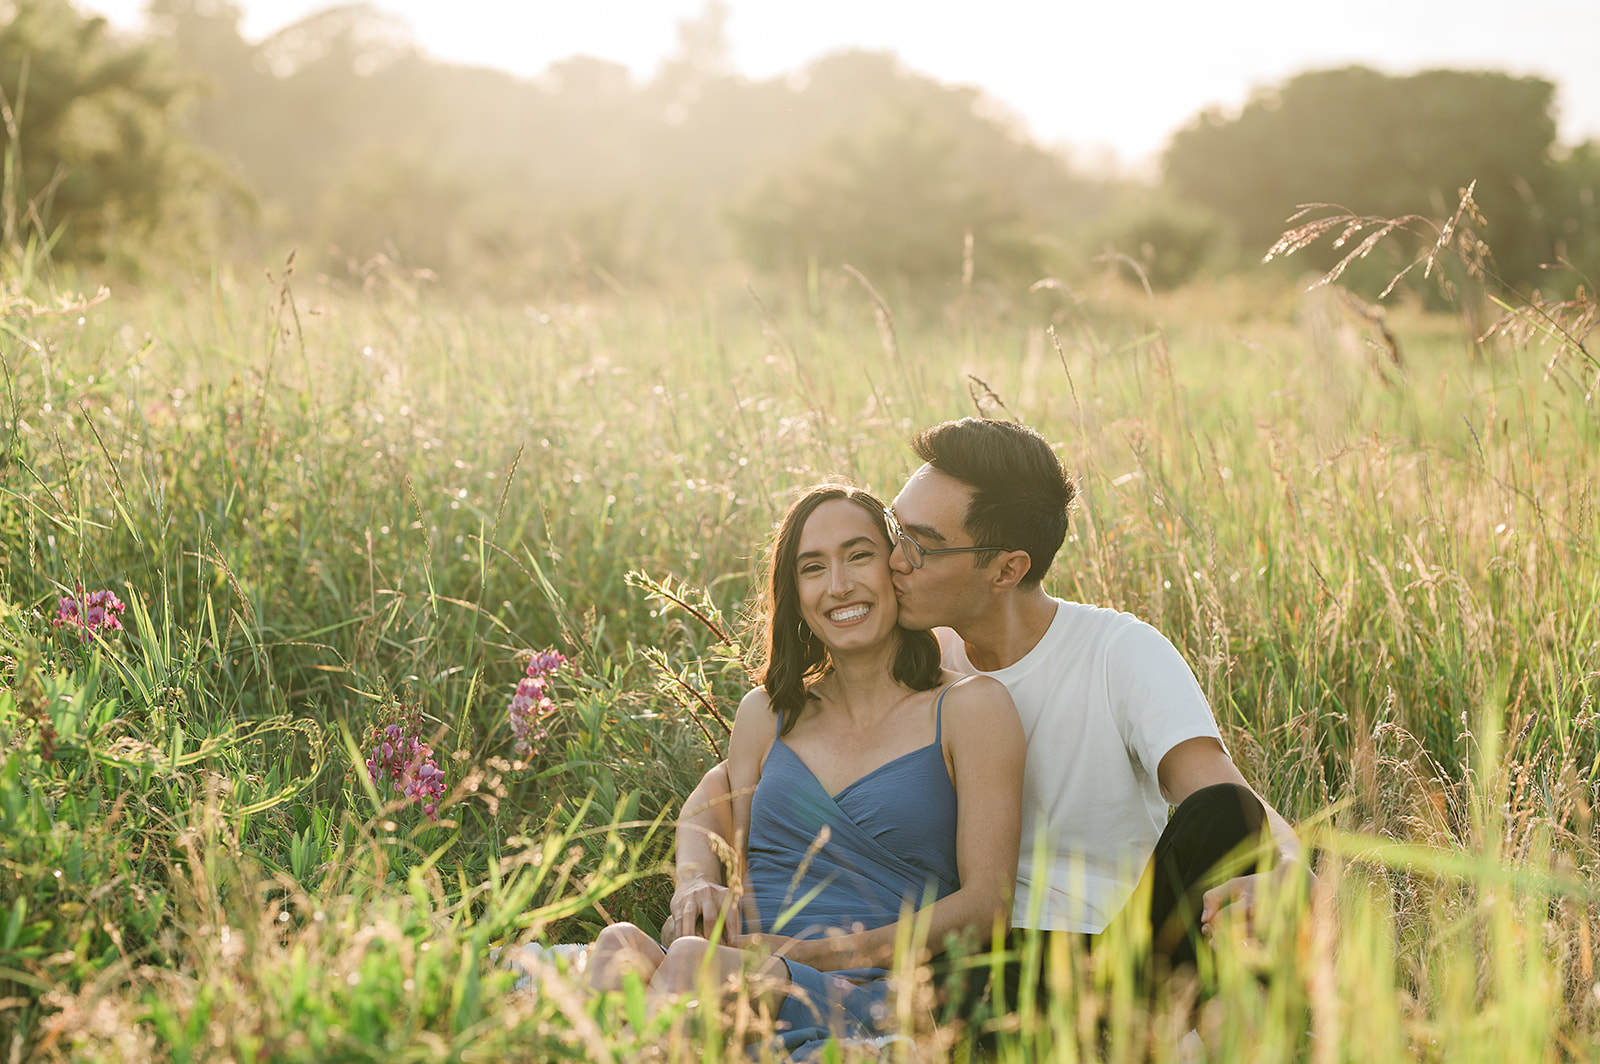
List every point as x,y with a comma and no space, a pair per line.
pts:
846,593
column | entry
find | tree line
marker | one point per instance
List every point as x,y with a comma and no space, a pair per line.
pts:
337,135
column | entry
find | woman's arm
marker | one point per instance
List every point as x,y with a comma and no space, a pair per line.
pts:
705,835
754,729
984,741
719,809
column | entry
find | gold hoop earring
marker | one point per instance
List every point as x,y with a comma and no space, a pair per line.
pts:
802,631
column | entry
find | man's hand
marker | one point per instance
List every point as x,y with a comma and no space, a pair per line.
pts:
1241,892
696,905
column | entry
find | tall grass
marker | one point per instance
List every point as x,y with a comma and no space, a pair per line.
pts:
327,507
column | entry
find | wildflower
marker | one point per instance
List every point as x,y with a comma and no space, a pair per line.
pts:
532,702
406,763
97,612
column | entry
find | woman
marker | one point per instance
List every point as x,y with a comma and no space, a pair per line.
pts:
867,781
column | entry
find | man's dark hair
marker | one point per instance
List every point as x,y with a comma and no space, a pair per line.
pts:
1020,493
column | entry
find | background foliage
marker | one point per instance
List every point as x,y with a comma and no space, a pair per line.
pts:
1388,146
92,164
337,136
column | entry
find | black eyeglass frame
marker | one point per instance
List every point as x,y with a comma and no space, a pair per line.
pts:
916,553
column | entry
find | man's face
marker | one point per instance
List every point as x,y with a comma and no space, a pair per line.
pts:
932,509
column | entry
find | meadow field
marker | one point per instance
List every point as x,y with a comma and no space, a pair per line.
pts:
328,510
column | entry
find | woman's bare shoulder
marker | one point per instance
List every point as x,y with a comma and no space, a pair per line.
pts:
754,728
968,687
755,700
754,717
979,698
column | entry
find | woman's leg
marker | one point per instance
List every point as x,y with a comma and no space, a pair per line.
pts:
621,949
691,963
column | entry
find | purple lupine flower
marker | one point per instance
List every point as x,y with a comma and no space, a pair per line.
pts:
96,612
406,763
427,787
532,703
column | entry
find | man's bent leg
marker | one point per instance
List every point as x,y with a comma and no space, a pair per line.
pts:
983,992
1211,824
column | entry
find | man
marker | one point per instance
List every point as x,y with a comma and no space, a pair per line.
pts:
1118,728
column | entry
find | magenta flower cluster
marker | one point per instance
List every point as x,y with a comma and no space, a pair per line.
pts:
97,612
407,763
532,702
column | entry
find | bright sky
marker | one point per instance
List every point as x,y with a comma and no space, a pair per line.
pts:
1092,74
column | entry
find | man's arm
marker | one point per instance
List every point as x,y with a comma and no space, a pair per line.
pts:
702,892
1201,762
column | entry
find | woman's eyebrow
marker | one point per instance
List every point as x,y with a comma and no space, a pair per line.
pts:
846,545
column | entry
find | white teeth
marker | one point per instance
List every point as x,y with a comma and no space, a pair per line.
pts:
849,613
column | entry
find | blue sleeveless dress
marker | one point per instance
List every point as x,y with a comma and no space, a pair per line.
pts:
848,861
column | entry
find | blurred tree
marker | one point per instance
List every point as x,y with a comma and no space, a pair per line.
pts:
1574,212
1378,145
1171,242
358,146
393,204
703,56
340,84
892,204
92,160
888,171
202,39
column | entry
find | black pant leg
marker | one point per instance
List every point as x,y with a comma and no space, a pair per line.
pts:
1210,824
1205,829
976,994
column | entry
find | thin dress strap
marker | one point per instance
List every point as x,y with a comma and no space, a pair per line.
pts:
938,714
938,709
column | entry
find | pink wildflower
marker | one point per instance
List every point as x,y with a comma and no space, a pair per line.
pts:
97,612
532,703
406,762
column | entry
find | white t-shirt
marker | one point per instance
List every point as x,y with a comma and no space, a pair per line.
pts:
1103,697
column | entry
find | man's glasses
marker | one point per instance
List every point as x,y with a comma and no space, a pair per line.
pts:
916,553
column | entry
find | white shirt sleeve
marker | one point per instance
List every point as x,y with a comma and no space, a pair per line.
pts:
1157,700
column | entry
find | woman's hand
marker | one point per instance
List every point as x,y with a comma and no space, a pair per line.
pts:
696,906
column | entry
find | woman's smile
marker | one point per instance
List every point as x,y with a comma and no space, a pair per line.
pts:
849,614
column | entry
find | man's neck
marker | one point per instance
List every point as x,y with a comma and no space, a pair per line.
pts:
1004,635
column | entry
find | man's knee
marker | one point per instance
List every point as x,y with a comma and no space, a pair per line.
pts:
1228,802
1212,821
